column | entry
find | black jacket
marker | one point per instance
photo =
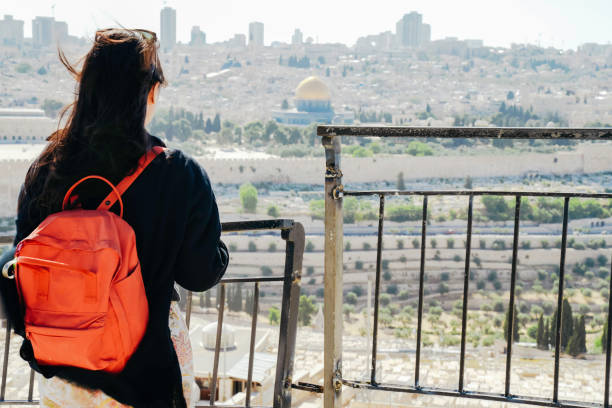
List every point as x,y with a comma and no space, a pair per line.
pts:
172,209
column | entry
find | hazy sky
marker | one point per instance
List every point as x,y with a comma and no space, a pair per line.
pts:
560,23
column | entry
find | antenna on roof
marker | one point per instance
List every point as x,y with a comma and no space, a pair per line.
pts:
53,10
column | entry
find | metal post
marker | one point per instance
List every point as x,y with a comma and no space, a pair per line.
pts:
252,343
466,291
381,217
560,300
511,316
332,309
417,363
295,242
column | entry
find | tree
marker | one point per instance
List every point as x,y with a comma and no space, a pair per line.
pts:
273,211
216,124
351,298
284,105
567,325
248,197
541,339
208,128
51,107
207,301
401,185
604,338
468,183
274,315
515,329
577,343
306,310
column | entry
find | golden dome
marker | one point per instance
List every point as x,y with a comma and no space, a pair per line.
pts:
312,89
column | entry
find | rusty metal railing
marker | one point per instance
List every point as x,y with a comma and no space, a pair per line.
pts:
293,235
334,192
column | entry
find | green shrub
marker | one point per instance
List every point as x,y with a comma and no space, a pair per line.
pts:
392,289
248,197
272,247
351,298
384,300
416,243
266,270
273,211
252,246
358,265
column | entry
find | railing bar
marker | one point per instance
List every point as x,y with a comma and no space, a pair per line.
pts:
188,307
213,384
417,364
381,216
474,193
560,299
466,132
254,279
607,345
511,316
485,396
252,343
7,343
31,386
466,283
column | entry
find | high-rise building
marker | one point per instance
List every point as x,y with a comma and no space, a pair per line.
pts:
411,32
60,31
297,38
237,41
43,29
167,28
11,31
256,34
46,31
198,37
425,34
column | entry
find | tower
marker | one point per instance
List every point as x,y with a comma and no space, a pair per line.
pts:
168,28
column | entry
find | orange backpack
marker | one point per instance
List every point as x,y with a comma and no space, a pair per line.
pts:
79,281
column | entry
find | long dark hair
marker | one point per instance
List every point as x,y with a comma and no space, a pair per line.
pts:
104,132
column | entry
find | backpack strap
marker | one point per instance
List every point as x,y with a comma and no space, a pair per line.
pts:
124,184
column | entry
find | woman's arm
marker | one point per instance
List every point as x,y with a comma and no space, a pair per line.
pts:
203,257
10,299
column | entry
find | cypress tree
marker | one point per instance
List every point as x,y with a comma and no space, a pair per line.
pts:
541,340
515,330
207,299
567,325
216,124
604,338
546,339
581,329
238,299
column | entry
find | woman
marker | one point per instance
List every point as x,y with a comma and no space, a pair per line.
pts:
170,206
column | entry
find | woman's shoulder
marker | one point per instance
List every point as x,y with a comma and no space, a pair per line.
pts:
183,166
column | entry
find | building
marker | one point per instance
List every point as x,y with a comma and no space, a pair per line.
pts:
60,32
42,31
198,37
237,41
312,105
25,126
256,34
297,38
411,32
167,28
11,31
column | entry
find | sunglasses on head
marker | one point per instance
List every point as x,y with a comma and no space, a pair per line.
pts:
146,35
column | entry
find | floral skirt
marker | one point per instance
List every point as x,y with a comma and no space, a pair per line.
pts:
58,393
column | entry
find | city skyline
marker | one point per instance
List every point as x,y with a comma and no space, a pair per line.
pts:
562,24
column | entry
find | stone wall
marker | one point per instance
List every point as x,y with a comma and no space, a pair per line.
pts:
592,158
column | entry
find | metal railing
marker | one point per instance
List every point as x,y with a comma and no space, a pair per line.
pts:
334,192
293,235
